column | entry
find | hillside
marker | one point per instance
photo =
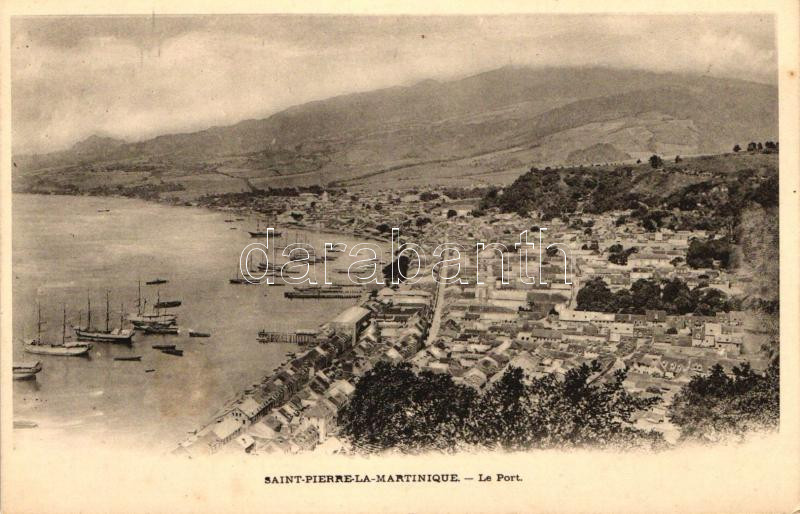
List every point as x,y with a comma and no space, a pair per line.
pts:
698,192
485,128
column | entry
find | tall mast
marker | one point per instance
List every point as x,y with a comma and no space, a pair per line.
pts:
107,311
139,302
121,315
39,322
88,311
64,326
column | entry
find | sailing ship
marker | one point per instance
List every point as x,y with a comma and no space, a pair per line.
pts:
141,319
261,233
239,277
66,348
117,335
26,370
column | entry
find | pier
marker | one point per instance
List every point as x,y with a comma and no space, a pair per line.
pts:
297,336
322,293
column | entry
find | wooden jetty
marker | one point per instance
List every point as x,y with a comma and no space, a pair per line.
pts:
297,336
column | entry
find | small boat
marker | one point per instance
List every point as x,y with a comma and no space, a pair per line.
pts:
156,281
195,333
132,358
229,221
26,370
163,346
103,210
167,304
160,329
174,351
23,423
149,370
152,320
239,219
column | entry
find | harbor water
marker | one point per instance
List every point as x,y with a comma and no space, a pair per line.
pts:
65,248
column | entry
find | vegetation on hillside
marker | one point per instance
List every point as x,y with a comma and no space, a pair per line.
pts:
393,407
718,406
672,296
705,193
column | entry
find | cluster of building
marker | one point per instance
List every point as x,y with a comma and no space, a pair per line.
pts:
495,317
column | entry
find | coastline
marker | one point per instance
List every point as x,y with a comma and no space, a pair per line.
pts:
313,314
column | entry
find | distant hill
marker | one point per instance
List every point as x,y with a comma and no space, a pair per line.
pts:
480,129
597,153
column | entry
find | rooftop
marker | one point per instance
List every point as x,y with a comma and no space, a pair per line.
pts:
352,315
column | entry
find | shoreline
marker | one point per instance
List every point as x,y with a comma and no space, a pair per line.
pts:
194,205
103,201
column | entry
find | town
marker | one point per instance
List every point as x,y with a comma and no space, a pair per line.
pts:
495,317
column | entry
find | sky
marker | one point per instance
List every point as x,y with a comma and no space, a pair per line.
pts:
136,77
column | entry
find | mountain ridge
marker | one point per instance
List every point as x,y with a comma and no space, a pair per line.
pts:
499,120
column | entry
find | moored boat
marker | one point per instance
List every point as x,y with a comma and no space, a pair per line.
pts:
173,351
156,281
262,233
66,348
142,320
195,333
26,370
160,329
167,304
117,335
163,346
131,358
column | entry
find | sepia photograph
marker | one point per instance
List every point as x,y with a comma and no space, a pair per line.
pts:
386,239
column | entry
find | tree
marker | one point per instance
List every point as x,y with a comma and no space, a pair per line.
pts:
737,148
596,296
701,254
718,406
656,161
392,407
451,214
678,158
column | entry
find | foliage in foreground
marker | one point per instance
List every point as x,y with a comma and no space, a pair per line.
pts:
395,408
720,406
